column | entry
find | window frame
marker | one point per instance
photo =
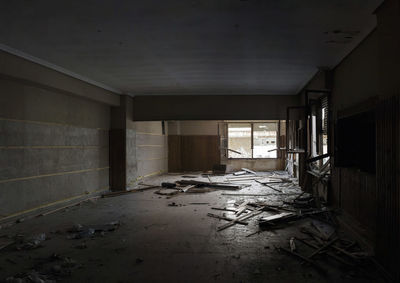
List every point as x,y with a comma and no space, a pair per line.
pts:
278,128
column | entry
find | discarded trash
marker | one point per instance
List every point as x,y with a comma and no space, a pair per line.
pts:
32,276
292,244
81,232
31,243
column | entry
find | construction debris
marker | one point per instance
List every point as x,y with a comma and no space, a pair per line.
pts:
226,218
30,243
240,173
200,184
31,276
249,171
79,231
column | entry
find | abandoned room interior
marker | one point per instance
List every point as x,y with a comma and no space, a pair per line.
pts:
200,141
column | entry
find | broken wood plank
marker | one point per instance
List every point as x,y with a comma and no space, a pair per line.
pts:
328,253
324,247
206,184
316,158
241,180
244,217
275,217
249,171
259,195
345,252
242,208
185,189
246,177
226,218
313,263
265,184
325,230
224,209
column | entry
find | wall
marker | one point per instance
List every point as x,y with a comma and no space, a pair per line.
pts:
53,144
356,79
388,139
355,87
212,107
368,79
194,146
138,149
150,151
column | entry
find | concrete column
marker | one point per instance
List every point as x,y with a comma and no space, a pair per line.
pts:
118,144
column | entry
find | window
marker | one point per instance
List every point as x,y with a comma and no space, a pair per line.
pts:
252,140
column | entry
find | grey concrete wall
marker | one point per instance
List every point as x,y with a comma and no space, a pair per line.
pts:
356,79
131,159
53,146
147,151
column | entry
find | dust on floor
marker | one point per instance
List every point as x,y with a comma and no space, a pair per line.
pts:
147,237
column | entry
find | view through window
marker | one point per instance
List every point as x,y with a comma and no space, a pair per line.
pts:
252,140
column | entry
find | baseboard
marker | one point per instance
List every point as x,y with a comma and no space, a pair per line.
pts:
47,208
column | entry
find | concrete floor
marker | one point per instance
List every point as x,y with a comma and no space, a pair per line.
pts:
161,243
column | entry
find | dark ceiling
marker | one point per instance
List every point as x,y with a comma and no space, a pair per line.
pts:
189,47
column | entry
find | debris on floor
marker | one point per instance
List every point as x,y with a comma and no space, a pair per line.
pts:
319,246
34,242
268,204
31,276
47,270
79,231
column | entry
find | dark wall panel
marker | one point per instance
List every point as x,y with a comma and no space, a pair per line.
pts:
193,153
174,153
388,185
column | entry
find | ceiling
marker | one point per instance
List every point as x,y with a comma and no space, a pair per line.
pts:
152,47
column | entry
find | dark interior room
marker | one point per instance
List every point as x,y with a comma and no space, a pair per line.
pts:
199,141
